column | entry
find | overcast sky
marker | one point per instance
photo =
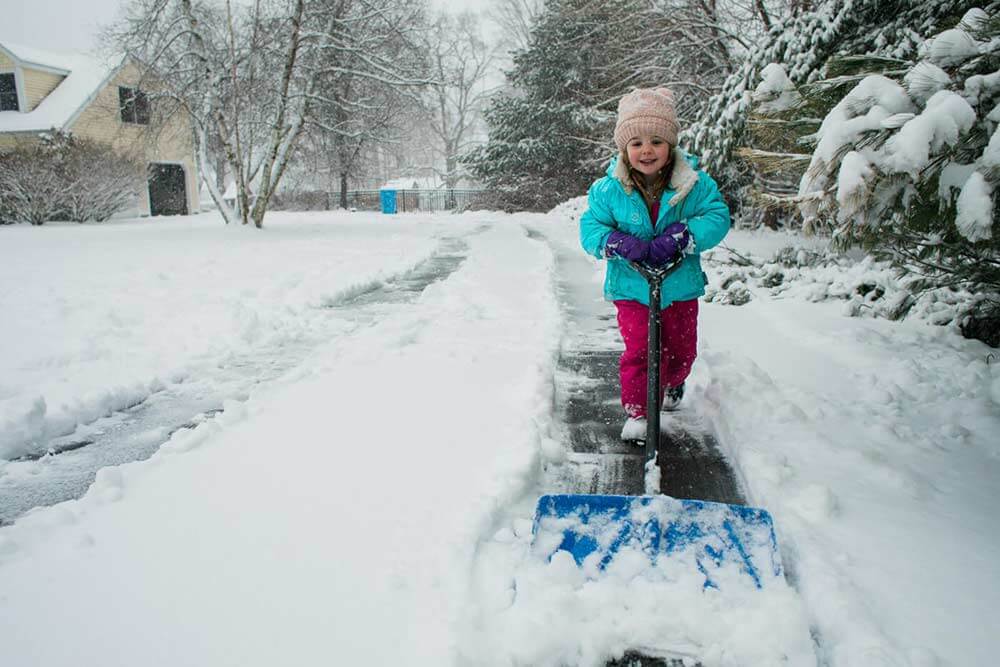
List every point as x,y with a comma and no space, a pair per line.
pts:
74,24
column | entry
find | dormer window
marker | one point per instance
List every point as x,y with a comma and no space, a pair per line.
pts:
8,93
134,105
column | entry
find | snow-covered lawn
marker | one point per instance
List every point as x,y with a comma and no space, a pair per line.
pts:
96,319
373,504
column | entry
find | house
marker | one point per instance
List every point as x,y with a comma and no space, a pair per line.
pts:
42,92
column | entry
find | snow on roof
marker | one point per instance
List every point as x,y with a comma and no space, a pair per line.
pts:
29,55
412,183
85,75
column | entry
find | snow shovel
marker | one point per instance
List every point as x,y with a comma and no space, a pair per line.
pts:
655,277
713,537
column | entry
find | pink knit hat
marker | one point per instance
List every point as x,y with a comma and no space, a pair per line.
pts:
646,111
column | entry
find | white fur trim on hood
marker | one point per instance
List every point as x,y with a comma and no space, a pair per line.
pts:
682,179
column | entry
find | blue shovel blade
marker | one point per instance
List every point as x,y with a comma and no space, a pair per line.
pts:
595,528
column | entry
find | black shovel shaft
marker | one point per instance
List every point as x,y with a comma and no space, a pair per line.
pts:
655,278
653,369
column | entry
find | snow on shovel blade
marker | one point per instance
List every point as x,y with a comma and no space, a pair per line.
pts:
713,537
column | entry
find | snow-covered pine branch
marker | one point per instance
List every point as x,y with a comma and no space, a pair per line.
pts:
803,42
909,168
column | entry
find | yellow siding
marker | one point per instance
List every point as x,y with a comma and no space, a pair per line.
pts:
167,140
163,140
5,62
38,84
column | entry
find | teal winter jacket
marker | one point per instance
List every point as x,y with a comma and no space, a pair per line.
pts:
692,197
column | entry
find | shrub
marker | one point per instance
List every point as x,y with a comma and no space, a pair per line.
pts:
64,178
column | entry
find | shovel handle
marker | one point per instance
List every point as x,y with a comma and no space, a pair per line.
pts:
654,275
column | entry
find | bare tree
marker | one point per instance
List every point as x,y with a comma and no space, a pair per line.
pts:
252,77
369,78
460,64
516,19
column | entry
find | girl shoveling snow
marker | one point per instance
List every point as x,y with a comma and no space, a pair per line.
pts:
653,205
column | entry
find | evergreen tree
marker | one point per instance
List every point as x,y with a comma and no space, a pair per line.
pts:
550,136
871,30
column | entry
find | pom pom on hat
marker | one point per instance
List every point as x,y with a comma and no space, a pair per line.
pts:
646,111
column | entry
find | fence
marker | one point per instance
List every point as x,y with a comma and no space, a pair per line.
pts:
368,200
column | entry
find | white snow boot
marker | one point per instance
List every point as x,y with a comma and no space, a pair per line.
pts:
634,429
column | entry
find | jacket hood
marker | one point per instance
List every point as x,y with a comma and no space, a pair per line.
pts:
682,179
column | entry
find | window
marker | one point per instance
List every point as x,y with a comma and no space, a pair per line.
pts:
8,93
134,105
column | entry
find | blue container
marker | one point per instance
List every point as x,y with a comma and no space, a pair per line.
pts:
388,199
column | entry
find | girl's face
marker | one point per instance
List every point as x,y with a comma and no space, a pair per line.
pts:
648,154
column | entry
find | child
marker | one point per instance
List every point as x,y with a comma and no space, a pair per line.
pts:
653,205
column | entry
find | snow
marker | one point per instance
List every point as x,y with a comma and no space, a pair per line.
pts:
86,74
874,99
945,117
852,182
412,183
974,19
869,104
974,217
951,47
776,92
982,87
925,79
373,504
991,156
953,177
71,356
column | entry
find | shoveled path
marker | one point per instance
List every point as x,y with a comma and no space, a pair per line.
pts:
587,400
691,464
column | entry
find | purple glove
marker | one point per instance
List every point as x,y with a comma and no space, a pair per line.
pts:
627,246
665,247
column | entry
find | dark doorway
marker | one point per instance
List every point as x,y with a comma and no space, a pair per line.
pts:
167,191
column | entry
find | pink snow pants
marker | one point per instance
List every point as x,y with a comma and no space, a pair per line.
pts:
678,349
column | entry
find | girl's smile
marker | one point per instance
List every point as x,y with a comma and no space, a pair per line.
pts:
648,154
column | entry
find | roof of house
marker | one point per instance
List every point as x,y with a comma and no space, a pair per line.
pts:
85,76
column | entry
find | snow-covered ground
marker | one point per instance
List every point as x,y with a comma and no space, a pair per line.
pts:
372,504
96,322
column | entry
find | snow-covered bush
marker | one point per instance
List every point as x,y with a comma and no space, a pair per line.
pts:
908,167
867,287
30,186
63,178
